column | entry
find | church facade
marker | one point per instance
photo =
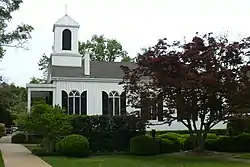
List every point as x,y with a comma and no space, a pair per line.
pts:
80,85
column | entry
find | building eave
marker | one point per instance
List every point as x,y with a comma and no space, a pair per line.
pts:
87,79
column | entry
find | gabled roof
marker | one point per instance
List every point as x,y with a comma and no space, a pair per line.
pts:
67,22
98,69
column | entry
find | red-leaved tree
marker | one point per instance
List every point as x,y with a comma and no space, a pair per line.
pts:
199,83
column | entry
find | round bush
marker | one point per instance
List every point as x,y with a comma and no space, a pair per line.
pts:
174,137
167,146
74,145
144,145
190,143
18,138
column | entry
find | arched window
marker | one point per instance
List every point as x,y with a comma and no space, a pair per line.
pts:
66,39
65,101
84,103
74,102
114,103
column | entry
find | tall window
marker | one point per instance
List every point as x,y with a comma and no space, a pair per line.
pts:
152,107
74,103
66,39
113,103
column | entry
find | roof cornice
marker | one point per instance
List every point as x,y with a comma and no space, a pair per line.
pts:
106,80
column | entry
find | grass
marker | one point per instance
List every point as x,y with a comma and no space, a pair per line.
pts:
173,160
1,160
152,161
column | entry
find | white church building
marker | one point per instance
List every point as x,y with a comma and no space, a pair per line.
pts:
80,85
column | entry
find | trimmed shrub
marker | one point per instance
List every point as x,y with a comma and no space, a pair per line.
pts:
216,131
144,145
190,143
34,139
167,146
74,145
174,137
212,136
18,138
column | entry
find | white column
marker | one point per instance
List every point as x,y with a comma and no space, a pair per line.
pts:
54,98
29,101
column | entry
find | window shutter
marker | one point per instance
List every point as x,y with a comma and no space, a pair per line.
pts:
104,103
84,103
123,103
160,107
65,101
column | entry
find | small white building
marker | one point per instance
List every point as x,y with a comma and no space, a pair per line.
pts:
82,86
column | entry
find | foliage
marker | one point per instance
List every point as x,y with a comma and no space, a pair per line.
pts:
229,144
186,132
74,145
48,121
20,35
190,143
2,130
144,145
205,79
42,152
167,146
237,126
174,137
18,138
103,49
12,102
108,133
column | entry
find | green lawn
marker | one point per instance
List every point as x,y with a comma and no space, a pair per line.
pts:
153,161
1,160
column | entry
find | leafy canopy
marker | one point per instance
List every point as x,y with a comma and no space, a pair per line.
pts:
206,79
17,37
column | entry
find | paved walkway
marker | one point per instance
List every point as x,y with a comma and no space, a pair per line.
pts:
16,155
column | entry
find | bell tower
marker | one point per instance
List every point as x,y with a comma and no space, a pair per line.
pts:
65,47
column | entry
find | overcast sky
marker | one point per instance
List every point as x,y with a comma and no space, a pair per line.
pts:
134,23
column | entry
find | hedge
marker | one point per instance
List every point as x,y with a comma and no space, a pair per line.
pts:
238,143
108,134
218,132
144,145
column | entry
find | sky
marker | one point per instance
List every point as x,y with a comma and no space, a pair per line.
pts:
134,23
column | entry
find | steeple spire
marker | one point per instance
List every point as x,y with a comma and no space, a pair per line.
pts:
66,7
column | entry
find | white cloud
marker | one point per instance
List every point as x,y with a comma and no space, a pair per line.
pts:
135,23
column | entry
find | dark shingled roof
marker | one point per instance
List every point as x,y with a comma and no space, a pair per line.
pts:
97,70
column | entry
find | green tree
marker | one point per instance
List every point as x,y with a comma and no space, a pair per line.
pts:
103,49
50,122
20,35
12,102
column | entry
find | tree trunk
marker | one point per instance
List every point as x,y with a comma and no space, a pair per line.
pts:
200,143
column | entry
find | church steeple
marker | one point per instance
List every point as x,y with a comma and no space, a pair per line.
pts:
66,34
65,48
